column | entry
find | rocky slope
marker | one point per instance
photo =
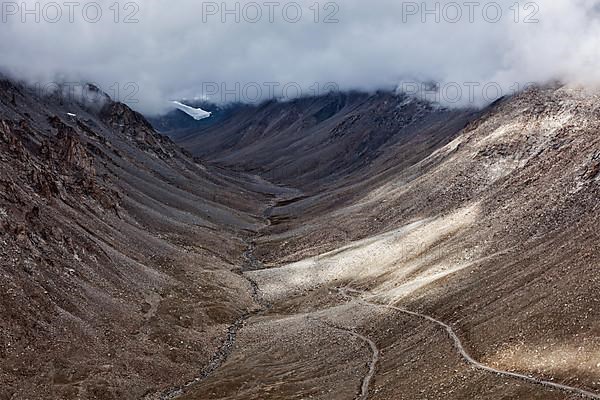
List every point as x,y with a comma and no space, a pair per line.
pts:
319,142
118,251
131,269
492,233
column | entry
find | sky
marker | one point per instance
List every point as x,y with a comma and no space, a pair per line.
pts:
147,53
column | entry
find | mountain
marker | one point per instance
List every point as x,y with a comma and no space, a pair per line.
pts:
345,246
489,233
119,251
323,140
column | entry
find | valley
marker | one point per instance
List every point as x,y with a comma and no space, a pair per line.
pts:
349,246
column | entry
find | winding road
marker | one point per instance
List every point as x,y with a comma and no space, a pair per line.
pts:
466,356
364,388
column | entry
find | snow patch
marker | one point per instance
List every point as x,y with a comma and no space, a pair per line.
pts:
196,113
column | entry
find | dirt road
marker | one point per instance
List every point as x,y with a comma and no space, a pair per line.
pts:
466,356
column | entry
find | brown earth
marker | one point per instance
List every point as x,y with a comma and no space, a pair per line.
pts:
129,267
498,241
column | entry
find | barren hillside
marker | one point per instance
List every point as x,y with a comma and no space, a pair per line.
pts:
350,246
492,234
119,252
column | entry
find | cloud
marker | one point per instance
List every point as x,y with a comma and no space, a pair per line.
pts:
191,49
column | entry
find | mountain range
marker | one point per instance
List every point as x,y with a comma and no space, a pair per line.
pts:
346,246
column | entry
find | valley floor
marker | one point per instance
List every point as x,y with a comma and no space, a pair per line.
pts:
326,327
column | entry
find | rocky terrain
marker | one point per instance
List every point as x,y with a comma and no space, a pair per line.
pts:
119,251
317,142
350,246
491,233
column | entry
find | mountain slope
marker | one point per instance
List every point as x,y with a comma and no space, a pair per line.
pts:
493,234
313,143
118,250
129,269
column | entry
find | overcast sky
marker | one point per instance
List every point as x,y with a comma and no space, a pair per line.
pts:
189,48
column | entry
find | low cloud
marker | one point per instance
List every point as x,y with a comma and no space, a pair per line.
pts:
148,53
